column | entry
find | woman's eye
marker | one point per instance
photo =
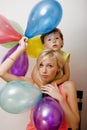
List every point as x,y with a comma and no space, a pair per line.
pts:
50,66
41,65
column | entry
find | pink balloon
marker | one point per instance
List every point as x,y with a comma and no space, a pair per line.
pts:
8,32
21,65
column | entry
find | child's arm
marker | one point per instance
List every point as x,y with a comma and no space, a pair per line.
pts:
35,76
66,74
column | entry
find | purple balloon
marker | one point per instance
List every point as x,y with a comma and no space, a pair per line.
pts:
20,67
48,114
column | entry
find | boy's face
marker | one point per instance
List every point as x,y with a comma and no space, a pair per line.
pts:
53,41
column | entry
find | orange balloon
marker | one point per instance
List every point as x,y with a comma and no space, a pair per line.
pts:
35,47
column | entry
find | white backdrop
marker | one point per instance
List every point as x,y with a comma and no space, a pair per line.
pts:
74,28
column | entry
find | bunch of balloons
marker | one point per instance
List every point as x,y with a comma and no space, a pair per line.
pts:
18,96
44,17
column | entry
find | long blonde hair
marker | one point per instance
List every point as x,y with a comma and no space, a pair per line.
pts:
49,53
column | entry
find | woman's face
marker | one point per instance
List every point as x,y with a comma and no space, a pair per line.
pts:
53,41
48,70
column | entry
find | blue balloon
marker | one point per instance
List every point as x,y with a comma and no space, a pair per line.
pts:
19,96
44,17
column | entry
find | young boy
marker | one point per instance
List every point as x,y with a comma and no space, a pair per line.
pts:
54,40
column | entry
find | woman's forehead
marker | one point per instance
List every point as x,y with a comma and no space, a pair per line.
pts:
50,60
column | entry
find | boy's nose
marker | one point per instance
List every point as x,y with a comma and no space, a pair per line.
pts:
54,40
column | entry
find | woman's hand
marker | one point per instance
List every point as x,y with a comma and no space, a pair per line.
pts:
23,43
52,91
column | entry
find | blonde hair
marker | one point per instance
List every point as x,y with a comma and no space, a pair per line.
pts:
49,53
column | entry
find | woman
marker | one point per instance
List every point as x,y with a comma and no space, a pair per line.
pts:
47,63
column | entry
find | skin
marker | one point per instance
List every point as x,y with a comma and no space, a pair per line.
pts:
53,41
47,68
47,71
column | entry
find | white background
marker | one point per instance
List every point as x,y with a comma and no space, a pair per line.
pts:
74,27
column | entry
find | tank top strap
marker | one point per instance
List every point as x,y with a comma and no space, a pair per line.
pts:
64,123
62,92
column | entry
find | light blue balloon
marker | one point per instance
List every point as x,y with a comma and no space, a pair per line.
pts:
19,96
44,17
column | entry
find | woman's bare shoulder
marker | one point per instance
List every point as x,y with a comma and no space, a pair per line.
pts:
69,87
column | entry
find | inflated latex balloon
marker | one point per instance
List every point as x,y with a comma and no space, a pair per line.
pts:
7,32
34,47
19,96
19,29
20,67
48,114
44,17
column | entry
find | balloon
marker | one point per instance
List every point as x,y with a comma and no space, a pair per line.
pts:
34,47
9,44
19,96
44,17
19,29
48,114
7,32
20,67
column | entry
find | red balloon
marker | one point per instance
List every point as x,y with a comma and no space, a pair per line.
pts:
7,31
48,114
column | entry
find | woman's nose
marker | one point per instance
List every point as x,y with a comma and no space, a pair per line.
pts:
44,69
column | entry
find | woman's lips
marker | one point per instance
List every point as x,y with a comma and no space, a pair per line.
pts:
44,76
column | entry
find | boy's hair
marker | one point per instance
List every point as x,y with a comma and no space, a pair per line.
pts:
54,30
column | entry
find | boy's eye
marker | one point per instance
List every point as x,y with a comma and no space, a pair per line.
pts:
57,37
49,39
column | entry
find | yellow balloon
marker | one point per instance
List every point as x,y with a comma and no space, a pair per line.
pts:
35,47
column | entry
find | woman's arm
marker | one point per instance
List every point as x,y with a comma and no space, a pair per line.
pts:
9,62
70,107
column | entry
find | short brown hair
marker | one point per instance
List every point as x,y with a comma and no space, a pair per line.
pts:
54,30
